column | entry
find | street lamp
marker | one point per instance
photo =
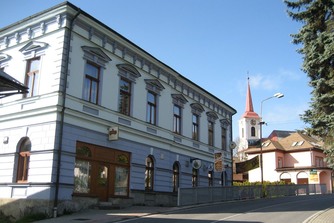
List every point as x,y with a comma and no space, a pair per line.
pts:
277,95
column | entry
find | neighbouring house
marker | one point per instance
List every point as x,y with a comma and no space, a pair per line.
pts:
290,156
103,120
297,158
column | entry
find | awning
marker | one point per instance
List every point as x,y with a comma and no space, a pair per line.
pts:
10,86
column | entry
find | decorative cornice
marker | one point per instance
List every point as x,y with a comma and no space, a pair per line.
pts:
32,31
111,42
141,62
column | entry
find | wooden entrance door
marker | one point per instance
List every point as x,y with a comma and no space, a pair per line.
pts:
102,181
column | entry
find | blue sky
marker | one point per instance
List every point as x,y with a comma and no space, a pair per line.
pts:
217,44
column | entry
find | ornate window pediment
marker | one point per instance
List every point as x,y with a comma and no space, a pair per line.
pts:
154,85
212,116
224,123
4,57
129,72
179,99
95,55
34,49
196,108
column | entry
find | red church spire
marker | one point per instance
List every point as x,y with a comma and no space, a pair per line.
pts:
249,111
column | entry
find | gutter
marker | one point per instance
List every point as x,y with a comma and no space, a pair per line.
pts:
68,44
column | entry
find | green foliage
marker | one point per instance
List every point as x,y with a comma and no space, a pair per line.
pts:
5,219
247,183
316,38
330,156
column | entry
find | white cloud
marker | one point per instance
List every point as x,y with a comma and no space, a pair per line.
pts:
274,81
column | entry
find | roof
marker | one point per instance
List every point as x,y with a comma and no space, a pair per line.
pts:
10,86
300,141
294,142
249,110
279,134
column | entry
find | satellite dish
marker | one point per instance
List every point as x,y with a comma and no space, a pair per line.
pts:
232,145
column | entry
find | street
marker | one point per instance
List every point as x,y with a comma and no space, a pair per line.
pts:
287,209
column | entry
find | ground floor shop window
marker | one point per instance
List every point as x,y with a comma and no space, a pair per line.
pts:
82,176
101,172
210,178
121,181
149,173
176,176
195,178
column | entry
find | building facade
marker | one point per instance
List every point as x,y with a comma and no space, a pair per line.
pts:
297,158
103,118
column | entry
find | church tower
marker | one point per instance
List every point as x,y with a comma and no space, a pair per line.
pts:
249,123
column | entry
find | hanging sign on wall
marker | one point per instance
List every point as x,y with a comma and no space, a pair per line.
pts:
113,133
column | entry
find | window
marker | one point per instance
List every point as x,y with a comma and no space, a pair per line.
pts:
23,161
195,127
176,176
32,76
154,88
121,181
82,176
149,174
82,170
210,178
91,83
212,117
178,100
33,51
279,162
319,161
210,133
196,110
253,131
128,75
151,108
194,177
223,138
177,119
124,96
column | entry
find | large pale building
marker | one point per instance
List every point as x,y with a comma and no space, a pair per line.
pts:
103,119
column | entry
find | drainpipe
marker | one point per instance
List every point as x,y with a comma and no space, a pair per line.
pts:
67,55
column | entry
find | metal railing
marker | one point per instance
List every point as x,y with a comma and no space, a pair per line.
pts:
201,195
295,190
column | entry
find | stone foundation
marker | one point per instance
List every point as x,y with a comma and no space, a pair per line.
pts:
164,199
14,209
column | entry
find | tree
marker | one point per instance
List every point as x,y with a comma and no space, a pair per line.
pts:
316,38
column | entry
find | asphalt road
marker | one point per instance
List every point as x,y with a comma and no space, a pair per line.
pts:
278,210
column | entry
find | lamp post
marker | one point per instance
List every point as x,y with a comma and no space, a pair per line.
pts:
277,95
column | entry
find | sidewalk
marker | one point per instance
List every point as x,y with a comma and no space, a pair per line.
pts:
107,216
326,216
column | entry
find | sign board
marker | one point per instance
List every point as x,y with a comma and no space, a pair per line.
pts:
313,177
113,133
247,165
218,162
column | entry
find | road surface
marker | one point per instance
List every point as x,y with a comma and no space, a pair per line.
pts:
279,210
